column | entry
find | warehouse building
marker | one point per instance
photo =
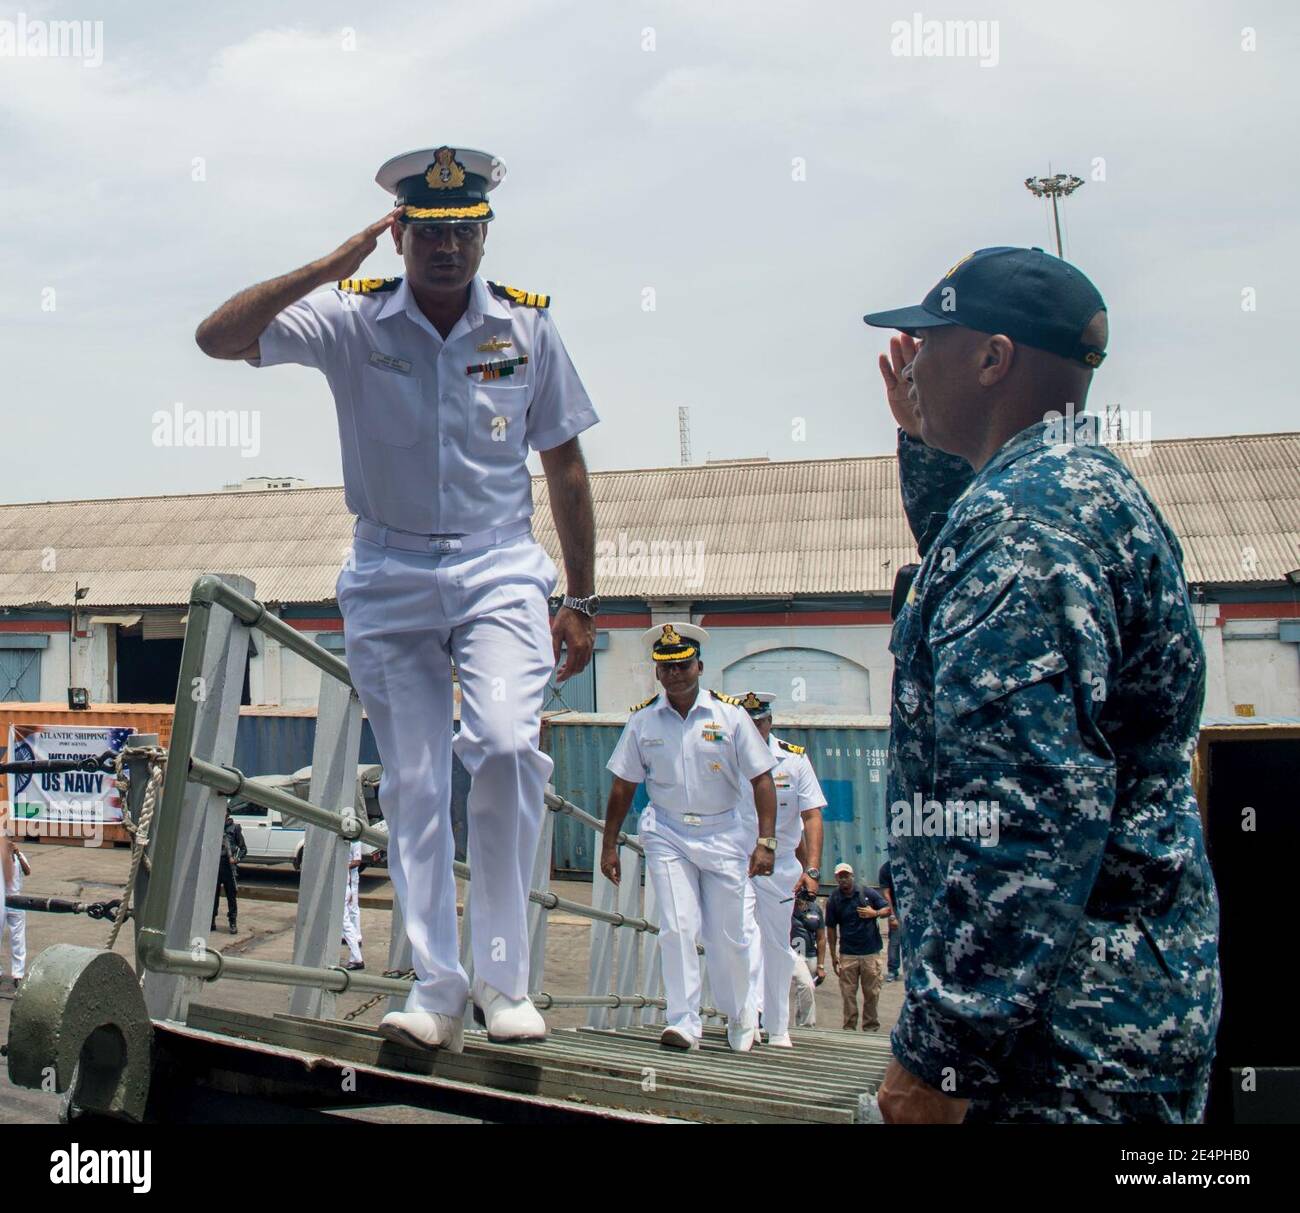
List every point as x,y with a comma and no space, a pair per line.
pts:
788,564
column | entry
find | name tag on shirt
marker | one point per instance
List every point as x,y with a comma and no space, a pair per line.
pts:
652,741
386,362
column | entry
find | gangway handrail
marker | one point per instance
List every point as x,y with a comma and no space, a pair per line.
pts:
619,908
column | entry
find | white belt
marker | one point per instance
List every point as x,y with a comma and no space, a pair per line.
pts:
442,545
695,819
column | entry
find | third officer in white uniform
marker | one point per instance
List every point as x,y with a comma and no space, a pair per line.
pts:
695,751
442,383
799,804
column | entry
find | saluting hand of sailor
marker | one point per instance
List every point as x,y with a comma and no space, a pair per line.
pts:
898,385
345,260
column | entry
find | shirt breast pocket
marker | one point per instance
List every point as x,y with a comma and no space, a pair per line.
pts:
392,409
497,417
711,766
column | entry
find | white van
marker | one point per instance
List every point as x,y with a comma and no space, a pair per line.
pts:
272,837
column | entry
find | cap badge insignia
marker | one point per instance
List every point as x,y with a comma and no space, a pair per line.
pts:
958,265
670,635
446,172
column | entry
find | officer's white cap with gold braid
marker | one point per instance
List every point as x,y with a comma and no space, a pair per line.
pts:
674,641
442,184
758,703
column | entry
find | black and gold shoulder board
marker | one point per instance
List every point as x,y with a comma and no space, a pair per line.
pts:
791,747
515,295
645,703
369,286
725,698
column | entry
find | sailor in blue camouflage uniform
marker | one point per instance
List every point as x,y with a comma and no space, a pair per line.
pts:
1062,943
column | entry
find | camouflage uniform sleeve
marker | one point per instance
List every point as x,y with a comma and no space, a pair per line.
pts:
1023,632
930,481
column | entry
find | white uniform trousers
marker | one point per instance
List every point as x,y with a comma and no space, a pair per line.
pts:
700,879
406,615
755,949
16,923
352,916
805,991
773,908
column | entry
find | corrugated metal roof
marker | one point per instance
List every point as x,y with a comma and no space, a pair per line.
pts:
727,530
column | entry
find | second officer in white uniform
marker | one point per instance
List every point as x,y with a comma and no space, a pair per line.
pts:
442,383
695,751
799,804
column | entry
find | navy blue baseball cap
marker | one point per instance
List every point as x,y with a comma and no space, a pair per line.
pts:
1025,293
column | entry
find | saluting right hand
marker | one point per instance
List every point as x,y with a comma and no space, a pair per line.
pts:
902,351
345,260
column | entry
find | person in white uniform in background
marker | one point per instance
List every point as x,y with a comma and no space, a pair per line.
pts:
13,867
442,383
352,908
695,751
799,804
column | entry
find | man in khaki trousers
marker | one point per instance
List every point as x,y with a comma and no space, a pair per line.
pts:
853,939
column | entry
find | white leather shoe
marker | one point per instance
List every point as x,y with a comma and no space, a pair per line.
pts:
676,1038
508,1020
740,1036
424,1030
781,1042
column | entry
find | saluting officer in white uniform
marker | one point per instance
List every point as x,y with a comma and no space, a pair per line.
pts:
799,804
442,382
695,751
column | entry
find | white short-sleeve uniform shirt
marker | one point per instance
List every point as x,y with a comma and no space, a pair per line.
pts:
797,791
694,764
428,448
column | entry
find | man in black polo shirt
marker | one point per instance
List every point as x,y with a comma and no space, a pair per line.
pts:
854,938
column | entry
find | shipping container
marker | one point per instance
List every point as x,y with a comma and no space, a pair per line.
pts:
1246,774
847,752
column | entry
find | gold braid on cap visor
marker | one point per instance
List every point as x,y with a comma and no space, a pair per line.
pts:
685,655
477,211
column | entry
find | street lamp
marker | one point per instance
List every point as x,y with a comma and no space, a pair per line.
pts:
1061,185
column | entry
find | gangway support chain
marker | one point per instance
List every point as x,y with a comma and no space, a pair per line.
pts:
79,1026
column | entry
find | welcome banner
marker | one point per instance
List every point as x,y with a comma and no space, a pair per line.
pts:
65,796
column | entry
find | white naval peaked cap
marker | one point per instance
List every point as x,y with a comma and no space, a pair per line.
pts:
758,703
674,641
442,184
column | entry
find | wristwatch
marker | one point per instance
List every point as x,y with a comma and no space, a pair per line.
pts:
769,843
815,873
584,606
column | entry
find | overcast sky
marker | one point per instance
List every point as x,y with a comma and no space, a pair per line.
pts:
648,145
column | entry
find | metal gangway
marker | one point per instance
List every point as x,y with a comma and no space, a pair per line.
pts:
141,1045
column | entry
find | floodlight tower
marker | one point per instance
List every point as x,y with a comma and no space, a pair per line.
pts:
1061,185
